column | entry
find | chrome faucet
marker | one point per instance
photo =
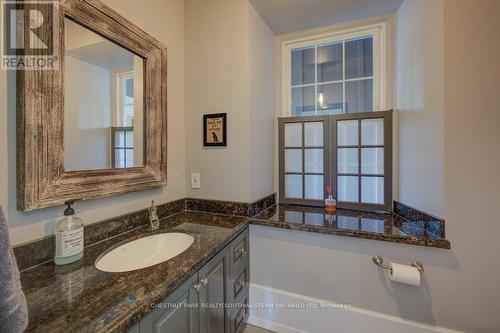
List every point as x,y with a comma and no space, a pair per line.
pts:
154,221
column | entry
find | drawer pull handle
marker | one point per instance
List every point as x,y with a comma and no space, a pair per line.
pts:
240,284
199,286
241,250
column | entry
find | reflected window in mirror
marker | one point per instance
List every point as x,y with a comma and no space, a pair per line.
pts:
123,147
103,101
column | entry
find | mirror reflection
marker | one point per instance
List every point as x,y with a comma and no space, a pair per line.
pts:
103,103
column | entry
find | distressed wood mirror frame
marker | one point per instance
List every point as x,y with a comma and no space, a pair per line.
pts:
41,178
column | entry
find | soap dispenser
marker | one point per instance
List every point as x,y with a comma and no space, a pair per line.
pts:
69,237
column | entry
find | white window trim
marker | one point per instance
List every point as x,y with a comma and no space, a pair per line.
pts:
379,33
117,76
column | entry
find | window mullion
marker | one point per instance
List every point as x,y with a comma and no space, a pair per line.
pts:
343,78
329,82
359,161
303,161
303,85
124,157
315,79
360,79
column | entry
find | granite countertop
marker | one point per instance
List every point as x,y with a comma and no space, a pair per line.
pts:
80,298
369,225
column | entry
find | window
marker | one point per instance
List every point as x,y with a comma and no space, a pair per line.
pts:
362,159
304,156
122,135
123,147
336,73
352,152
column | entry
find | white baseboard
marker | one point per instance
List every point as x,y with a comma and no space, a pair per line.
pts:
270,325
322,319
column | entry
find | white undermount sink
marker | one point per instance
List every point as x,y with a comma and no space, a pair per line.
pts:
144,252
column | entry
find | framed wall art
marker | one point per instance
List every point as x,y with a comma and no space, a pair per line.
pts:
215,130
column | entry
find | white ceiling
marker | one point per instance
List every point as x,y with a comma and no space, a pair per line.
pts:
104,54
284,16
84,44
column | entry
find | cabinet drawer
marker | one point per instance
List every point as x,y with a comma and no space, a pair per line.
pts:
239,316
240,284
239,253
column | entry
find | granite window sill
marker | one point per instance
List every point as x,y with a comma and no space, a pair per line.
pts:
424,230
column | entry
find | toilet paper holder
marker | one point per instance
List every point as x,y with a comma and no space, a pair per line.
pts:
380,262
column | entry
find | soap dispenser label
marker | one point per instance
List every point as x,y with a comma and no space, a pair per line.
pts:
69,243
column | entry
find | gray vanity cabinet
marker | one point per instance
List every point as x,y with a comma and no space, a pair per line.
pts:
175,314
213,294
199,305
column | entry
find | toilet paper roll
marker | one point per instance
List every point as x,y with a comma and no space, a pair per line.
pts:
405,274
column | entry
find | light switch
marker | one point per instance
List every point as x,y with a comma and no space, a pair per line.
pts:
195,180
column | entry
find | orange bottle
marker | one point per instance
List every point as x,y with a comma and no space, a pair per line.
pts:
330,202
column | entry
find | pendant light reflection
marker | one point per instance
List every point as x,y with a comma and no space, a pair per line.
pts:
322,102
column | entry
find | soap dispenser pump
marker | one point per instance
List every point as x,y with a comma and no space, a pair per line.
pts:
69,237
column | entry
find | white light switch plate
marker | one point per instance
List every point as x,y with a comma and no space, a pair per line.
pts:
195,180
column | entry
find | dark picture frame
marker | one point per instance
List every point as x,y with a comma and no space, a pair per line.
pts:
215,130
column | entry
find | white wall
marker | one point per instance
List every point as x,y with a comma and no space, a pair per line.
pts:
340,269
472,156
262,117
217,71
420,103
87,116
220,41
163,19
448,89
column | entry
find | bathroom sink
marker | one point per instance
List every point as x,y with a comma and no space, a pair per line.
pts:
144,252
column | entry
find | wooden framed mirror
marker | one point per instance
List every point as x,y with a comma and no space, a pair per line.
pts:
96,125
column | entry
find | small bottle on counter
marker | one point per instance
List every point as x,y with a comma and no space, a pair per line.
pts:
69,237
330,202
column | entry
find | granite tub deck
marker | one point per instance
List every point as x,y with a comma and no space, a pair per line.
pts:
424,230
80,298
